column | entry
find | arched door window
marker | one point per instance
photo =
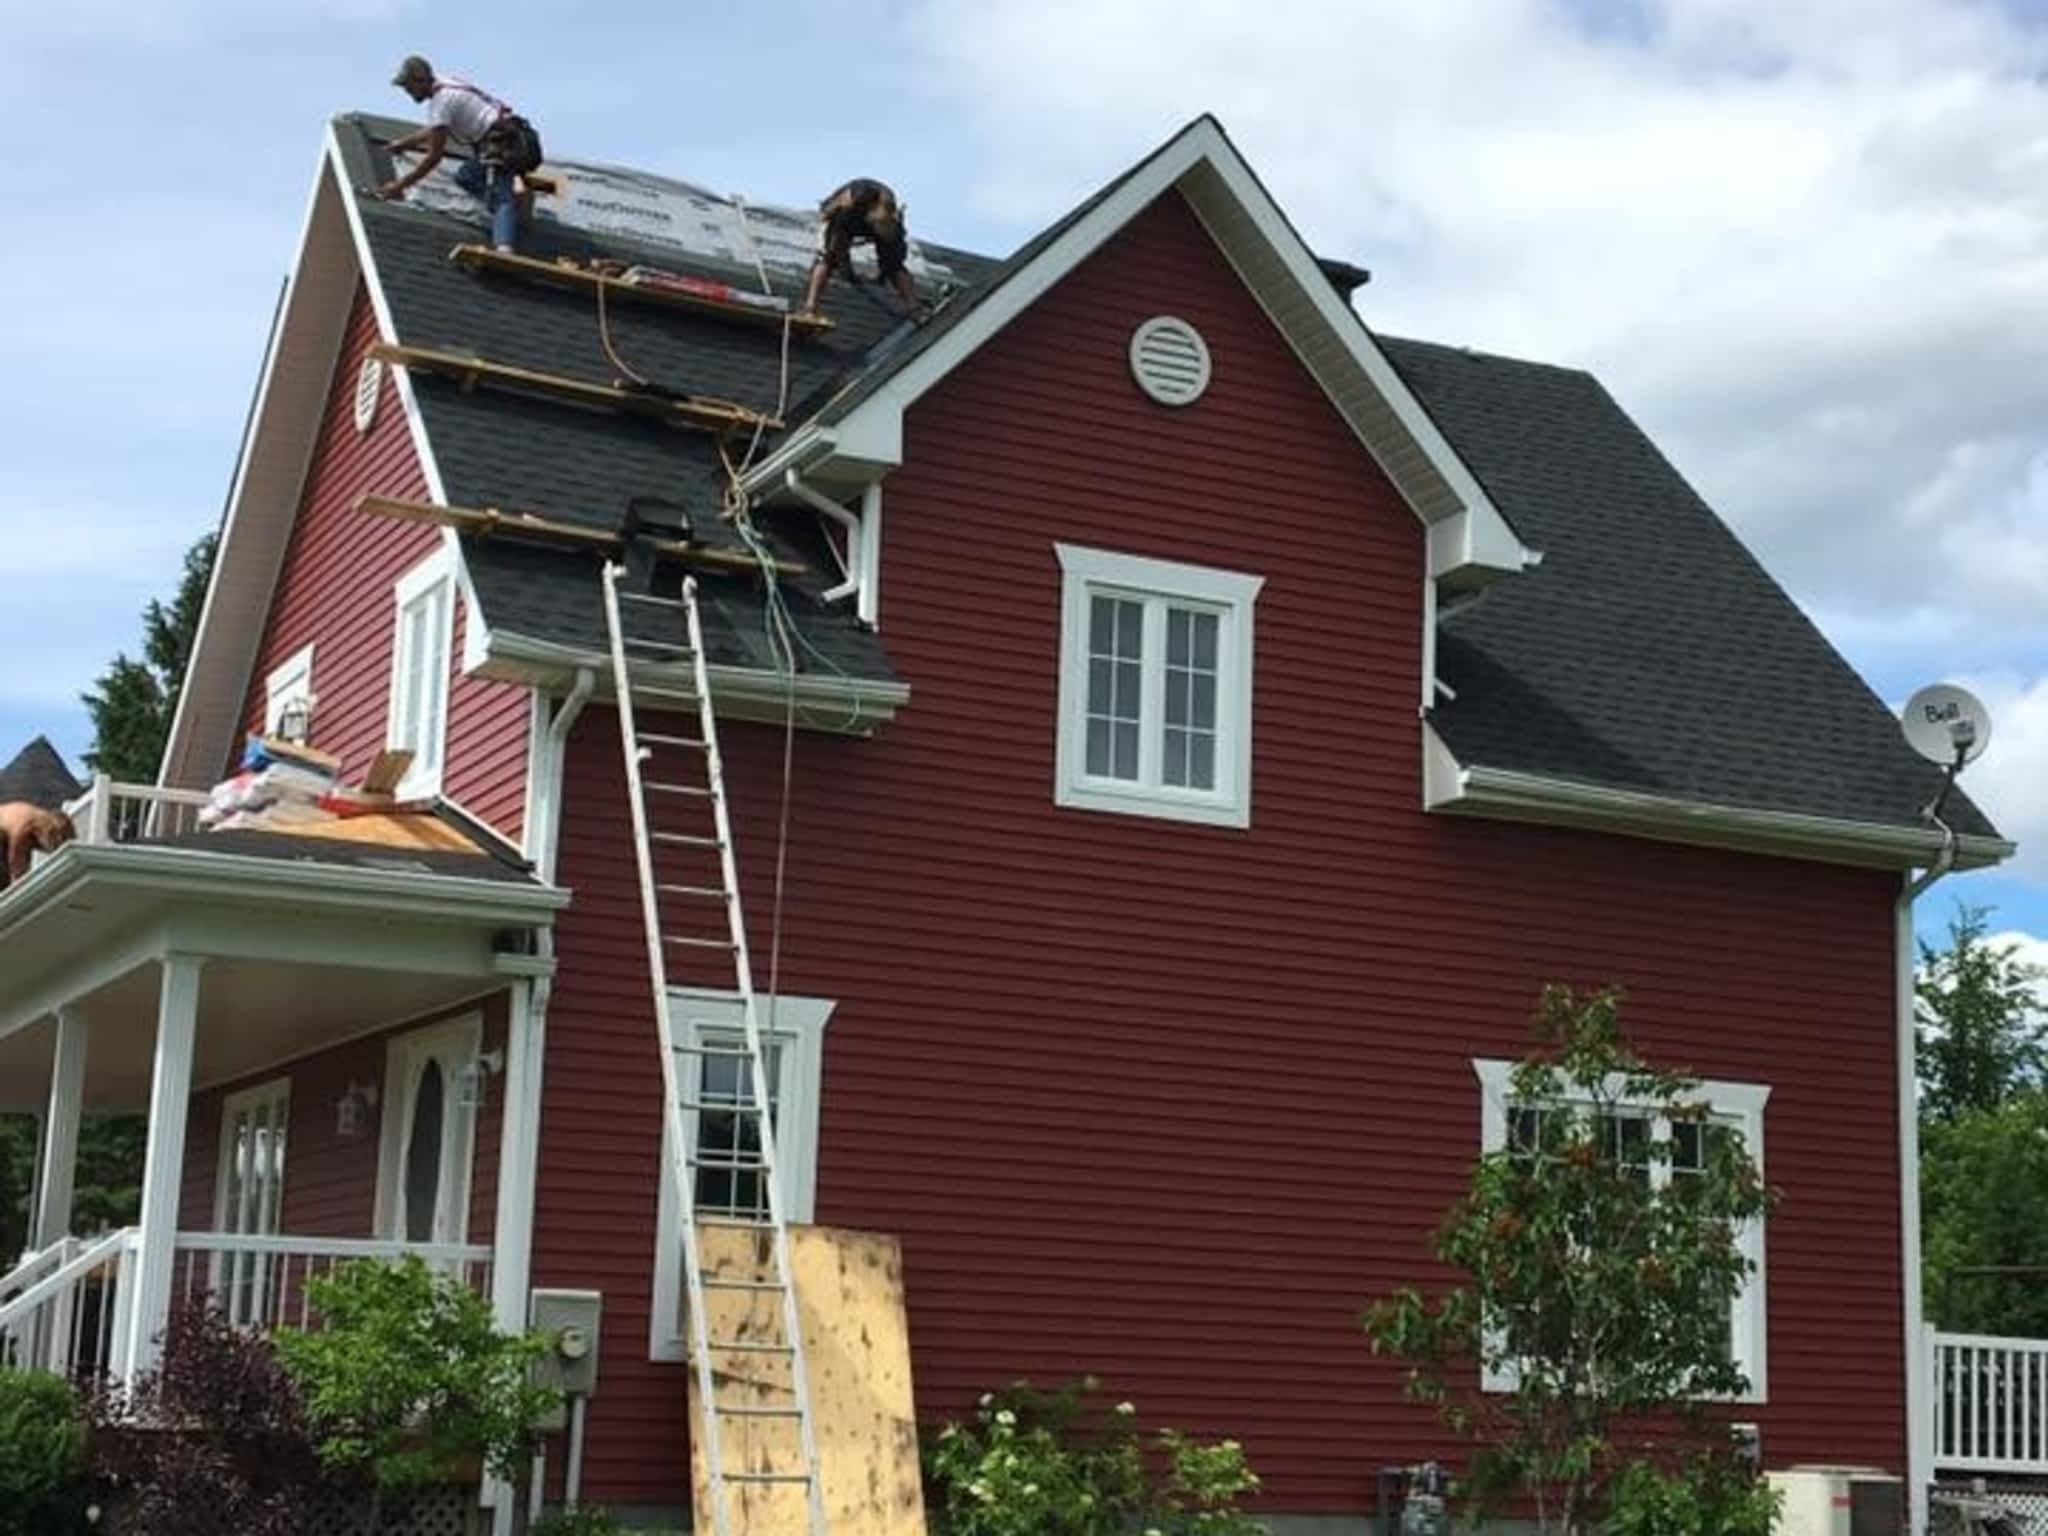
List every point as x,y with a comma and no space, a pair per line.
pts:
429,1137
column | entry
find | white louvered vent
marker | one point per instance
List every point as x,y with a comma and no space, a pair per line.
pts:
369,381
1170,360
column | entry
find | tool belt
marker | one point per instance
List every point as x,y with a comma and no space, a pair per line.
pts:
511,142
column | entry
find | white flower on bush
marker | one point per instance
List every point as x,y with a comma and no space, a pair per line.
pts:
1006,1418
1127,1407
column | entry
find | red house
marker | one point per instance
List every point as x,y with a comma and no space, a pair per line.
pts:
1212,723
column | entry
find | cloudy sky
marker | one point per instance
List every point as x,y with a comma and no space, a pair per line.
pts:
1806,244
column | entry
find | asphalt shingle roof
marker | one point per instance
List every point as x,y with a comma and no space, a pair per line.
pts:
1649,651
38,775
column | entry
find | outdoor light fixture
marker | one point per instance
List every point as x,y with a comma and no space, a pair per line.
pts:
470,1085
352,1107
295,720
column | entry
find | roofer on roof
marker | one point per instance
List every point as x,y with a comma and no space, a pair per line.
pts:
860,210
502,145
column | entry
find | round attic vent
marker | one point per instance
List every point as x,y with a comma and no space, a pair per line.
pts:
1170,360
369,382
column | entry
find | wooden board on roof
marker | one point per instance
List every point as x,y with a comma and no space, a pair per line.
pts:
857,1340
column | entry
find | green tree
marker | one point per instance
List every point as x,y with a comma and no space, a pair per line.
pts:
1984,1202
1977,1008
133,701
17,1183
1602,1290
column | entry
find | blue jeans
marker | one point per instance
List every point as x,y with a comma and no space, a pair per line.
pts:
492,186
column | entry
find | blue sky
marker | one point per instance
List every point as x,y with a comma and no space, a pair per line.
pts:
1804,245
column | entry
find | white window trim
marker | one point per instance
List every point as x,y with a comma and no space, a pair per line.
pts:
224,1270
437,568
1739,1103
1088,571
456,1045
290,679
799,1025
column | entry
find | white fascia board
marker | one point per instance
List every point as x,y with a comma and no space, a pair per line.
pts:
1471,790
836,706
215,670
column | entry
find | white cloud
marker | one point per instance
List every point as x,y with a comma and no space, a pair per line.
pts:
2010,781
2028,948
1805,244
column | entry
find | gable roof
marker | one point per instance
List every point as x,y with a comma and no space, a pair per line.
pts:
1650,653
1605,685
38,775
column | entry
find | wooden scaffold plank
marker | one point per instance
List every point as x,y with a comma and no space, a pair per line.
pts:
485,521
470,370
668,290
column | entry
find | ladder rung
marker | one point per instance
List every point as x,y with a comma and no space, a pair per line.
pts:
719,1106
645,597
742,1051
690,838
749,1346
699,790
677,938
708,891
713,1284
661,694
725,1165
694,743
740,1412
736,1224
767,1477
659,645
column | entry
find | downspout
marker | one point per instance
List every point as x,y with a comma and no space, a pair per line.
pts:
1919,1355
825,506
870,607
543,843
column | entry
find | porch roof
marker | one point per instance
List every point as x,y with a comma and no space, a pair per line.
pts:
303,947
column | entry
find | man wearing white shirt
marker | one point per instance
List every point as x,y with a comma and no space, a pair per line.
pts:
502,145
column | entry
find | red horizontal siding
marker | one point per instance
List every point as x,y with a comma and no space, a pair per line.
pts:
330,1179
1170,1103
335,591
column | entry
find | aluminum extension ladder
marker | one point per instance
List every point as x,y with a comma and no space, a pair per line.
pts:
700,784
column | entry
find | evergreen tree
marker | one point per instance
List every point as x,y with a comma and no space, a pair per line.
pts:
133,701
1978,1007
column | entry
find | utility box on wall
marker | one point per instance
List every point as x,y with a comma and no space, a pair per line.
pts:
1839,1501
568,1320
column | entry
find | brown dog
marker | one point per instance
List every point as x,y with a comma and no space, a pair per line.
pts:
24,828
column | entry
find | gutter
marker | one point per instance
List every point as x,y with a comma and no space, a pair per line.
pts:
242,878
810,445
1500,792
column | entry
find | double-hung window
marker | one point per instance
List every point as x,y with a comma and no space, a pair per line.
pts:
421,661
1627,1134
717,1093
1155,693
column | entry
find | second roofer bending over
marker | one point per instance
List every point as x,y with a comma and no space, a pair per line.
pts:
862,210
503,146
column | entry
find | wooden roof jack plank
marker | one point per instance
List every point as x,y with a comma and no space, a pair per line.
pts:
565,273
484,521
680,411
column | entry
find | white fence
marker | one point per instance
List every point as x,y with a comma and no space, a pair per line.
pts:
112,812
1990,1403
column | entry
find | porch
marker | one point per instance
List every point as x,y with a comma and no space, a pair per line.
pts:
327,1040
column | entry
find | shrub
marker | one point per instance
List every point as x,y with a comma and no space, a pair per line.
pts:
42,1450
587,1521
409,1377
1707,1495
215,1439
1055,1464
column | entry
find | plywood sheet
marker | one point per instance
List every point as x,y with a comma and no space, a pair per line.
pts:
850,1293
387,831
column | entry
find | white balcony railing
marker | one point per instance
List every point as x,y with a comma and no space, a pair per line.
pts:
60,1309
113,812
1990,1403
260,1282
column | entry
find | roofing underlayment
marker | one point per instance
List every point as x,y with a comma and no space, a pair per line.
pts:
1649,651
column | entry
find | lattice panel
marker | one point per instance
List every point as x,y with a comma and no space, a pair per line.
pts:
446,1511
2026,1502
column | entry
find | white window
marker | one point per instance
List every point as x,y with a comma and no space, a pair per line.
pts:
1733,1109
248,1198
1155,688
420,665
289,683
725,1143
428,1145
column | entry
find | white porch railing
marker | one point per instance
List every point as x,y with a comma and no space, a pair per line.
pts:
61,1310
1990,1404
112,812
260,1282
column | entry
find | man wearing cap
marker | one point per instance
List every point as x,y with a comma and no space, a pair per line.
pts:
502,145
862,210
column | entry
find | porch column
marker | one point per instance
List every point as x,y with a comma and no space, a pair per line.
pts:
60,1132
518,1175
177,1020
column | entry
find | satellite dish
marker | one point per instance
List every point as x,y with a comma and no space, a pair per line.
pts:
1946,725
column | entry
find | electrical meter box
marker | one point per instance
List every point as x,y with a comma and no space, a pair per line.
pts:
568,1320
